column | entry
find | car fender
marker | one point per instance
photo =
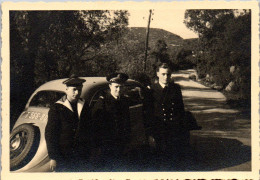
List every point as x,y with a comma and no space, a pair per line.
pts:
41,153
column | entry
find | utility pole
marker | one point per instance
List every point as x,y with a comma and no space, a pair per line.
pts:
147,38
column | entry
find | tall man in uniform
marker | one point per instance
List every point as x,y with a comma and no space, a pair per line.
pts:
112,122
66,134
167,124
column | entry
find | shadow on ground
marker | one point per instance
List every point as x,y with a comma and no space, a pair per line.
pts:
214,115
180,78
225,138
224,143
206,154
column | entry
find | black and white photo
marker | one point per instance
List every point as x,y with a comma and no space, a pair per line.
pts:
137,89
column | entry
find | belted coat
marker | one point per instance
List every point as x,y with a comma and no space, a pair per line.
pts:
67,133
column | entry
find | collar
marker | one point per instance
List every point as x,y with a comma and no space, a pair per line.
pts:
116,98
67,104
163,85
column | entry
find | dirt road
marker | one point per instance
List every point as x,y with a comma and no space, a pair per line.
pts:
224,143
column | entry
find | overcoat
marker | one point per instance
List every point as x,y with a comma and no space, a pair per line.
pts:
168,103
168,110
112,121
67,132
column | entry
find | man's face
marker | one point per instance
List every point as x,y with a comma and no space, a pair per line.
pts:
115,89
164,75
73,93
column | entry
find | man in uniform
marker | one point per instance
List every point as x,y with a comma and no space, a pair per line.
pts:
66,129
167,124
112,122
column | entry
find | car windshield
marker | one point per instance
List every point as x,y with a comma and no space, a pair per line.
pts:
46,98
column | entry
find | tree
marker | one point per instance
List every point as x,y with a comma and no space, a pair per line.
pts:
48,45
224,41
185,59
160,52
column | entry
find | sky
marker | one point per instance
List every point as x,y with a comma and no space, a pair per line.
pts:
168,19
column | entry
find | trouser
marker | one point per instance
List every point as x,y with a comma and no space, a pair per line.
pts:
73,162
112,158
171,140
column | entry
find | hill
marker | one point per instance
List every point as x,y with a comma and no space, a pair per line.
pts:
139,33
191,43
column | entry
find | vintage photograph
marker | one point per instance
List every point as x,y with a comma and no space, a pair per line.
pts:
130,90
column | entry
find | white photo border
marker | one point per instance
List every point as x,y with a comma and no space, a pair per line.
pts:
253,5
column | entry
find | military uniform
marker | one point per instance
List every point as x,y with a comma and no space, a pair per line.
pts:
167,124
112,125
112,122
68,132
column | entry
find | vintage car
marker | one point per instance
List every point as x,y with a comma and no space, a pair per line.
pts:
28,151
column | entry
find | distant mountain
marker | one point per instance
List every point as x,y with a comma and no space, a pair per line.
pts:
191,43
139,33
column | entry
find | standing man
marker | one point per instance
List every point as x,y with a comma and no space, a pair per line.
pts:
112,122
167,124
65,130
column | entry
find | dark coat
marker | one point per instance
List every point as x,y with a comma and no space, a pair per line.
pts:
67,133
112,121
168,108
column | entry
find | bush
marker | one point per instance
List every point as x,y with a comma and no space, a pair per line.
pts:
225,41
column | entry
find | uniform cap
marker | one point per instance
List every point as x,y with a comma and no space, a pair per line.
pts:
74,81
117,78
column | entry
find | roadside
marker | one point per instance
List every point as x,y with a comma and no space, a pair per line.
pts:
224,143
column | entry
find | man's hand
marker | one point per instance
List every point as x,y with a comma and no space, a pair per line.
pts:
53,165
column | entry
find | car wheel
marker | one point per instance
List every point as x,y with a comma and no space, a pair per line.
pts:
24,142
